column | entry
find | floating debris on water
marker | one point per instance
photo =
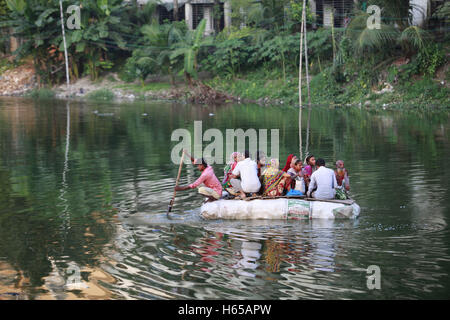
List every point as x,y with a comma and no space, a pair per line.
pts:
103,114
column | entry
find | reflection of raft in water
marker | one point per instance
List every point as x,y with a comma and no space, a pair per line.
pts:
280,208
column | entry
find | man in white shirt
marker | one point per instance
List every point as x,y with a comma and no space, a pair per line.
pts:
248,171
324,180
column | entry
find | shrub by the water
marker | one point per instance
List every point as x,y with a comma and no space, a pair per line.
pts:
101,95
425,89
42,94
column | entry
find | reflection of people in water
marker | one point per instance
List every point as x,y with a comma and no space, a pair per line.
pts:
209,248
323,246
273,255
250,255
276,252
290,254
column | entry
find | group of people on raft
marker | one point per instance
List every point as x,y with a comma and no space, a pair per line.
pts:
244,177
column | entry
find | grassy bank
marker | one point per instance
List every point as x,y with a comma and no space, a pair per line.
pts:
269,87
392,87
140,89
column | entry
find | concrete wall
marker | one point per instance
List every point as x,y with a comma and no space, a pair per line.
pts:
188,15
327,19
312,7
227,13
208,15
419,11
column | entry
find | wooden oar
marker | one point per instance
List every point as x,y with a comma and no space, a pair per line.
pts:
176,185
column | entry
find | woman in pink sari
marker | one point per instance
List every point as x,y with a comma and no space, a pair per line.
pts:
309,169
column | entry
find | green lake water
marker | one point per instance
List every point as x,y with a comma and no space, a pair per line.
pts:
85,187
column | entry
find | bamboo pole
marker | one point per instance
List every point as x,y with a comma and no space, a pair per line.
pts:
65,45
300,84
307,133
307,85
306,60
332,35
176,185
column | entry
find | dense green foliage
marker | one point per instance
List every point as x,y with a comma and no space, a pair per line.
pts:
101,39
3,10
188,47
260,51
4,38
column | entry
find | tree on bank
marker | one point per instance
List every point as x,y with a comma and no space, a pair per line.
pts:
3,31
187,47
103,26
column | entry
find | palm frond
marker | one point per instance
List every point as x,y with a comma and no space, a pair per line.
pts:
259,36
365,39
255,14
397,11
175,35
17,5
198,34
443,12
146,12
145,62
150,31
415,37
177,52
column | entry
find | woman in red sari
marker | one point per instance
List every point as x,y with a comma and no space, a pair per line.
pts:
290,162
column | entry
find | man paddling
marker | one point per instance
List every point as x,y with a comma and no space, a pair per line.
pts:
212,189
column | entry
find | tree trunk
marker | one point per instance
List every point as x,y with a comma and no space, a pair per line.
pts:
175,10
188,78
216,15
13,43
172,77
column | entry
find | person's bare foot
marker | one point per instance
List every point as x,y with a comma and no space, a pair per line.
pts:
232,192
209,199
